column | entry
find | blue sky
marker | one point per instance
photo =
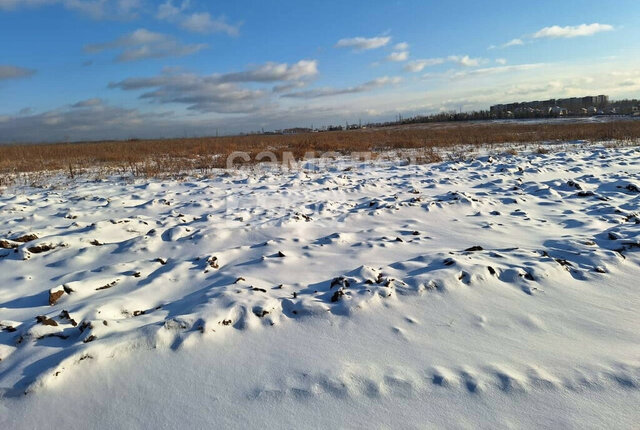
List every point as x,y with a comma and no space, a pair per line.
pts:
94,69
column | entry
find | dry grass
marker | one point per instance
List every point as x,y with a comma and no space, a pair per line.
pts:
155,157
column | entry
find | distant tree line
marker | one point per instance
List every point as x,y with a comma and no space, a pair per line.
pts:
620,107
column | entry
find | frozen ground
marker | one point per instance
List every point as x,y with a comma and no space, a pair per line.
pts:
500,292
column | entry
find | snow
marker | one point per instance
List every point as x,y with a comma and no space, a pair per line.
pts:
494,292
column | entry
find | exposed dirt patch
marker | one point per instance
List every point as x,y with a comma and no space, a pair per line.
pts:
5,244
42,319
54,296
25,238
43,247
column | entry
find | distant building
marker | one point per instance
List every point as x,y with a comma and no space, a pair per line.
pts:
588,105
558,111
602,101
295,130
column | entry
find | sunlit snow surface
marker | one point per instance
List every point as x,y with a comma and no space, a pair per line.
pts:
499,276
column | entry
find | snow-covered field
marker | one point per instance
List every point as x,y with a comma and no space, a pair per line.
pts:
499,292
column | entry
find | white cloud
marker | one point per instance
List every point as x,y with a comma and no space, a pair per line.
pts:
496,70
198,93
219,93
526,90
328,91
203,94
288,86
111,122
204,23
142,44
98,121
14,72
88,103
97,9
363,43
169,48
273,72
419,65
398,56
14,4
138,37
167,10
556,31
501,61
106,9
465,60
196,22
402,46
513,42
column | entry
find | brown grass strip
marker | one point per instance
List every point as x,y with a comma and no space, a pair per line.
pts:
152,157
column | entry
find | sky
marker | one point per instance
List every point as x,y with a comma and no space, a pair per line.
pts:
120,69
